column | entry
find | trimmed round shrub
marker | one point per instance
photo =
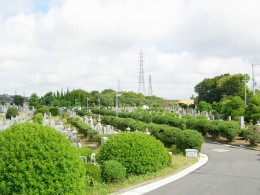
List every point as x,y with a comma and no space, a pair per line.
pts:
42,110
36,159
11,112
137,152
189,139
112,171
169,135
54,111
201,126
38,118
228,129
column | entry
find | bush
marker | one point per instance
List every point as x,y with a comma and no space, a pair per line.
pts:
168,136
201,126
83,128
137,152
38,118
85,152
54,111
36,159
42,110
228,129
11,112
112,171
191,123
189,139
93,172
252,136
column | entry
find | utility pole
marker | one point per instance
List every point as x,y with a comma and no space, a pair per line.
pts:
245,81
150,89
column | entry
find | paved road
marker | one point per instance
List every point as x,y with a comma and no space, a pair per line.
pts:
229,171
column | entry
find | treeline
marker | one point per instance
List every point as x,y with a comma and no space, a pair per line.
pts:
106,98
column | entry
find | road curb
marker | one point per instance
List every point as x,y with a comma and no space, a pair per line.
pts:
151,186
231,145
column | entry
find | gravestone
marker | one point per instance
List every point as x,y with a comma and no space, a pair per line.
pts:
93,158
84,159
108,129
147,131
241,122
103,140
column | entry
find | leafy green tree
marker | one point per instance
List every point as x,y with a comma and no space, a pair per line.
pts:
18,100
234,107
213,89
204,106
253,109
48,98
207,89
34,100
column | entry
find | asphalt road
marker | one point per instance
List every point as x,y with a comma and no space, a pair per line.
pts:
229,171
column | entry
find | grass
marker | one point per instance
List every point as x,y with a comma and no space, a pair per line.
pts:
179,162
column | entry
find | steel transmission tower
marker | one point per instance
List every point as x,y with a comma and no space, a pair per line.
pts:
150,89
141,87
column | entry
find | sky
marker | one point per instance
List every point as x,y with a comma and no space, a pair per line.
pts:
95,44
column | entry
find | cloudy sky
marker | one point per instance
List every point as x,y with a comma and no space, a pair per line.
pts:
91,44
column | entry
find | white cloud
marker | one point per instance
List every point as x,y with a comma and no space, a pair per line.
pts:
91,44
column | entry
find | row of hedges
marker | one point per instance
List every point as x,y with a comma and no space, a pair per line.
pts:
82,127
226,129
168,119
164,133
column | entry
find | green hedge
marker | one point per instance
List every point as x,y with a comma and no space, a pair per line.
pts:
160,123
137,152
159,131
82,127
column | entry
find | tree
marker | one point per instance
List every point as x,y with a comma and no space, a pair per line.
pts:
253,109
234,107
204,106
207,89
48,98
213,89
18,100
34,100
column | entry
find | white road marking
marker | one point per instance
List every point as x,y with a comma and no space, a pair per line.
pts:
220,150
